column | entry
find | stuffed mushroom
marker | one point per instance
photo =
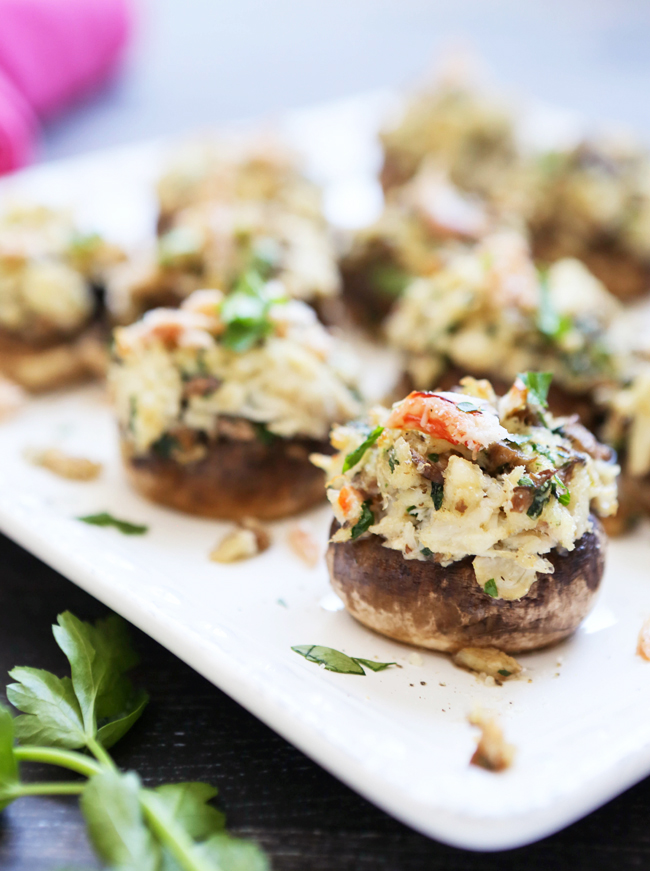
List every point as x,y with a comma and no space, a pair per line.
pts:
221,402
463,519
50,275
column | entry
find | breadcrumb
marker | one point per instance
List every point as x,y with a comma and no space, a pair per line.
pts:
302,542
64,465
12,398
492,751
643,644
490,661
244,541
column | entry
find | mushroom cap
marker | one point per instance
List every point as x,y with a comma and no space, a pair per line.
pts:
444,608
234,479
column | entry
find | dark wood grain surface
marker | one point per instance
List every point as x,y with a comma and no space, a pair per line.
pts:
271,792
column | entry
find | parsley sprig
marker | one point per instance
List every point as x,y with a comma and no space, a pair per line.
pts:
133,828
357,454
245,313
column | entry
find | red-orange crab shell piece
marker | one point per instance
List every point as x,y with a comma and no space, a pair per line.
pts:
439,415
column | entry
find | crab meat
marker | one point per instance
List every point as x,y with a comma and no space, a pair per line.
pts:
457,419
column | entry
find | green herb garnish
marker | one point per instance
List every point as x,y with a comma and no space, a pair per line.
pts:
491,588
433,457
106,519
365,521
525,482
245,312
264,434
389,279
561,491
392,459
538,384
165,445
179,245
468,407
437,494
540,498
411,510
517,438
356,455
172,826
425,551
334,660
505,672
549,322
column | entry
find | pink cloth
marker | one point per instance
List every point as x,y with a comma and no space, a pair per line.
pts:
52,52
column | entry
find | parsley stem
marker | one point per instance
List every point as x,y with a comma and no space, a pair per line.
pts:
100,753
172,836
56,756
66,788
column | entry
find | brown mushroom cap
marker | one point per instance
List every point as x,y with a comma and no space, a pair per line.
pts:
443,608
235,479
55,360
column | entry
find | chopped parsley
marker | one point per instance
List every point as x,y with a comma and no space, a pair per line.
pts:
389,279
491,588
425,551
525,482
537,384
165,445
264,434
106,519
433,457
365,521
540,498
517,438
549,322
505,672
437,494
392,459
334,660
560,490
468,407
245,313
353,458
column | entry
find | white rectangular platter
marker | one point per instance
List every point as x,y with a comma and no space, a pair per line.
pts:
580,715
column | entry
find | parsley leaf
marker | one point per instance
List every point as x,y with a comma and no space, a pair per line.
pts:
525,482
505,672
111,806
561,491
392,460
389,279
437,494
8,764
427,552
332,660
245,313
541,497
538,384
99,655
412,510
356,455
373,665
468,407
517,438
549,322
491,588
187,804
106,519
433,457
232,854
51,713
264,434
365,521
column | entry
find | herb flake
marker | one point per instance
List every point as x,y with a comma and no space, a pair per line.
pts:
357,455
365,521
334,660
437,494
491,588
538,384
106,519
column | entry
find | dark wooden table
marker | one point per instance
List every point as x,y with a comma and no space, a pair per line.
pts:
303,817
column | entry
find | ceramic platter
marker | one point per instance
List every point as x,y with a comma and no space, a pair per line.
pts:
580,715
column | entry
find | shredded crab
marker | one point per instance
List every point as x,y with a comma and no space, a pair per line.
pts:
492,750
454,417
